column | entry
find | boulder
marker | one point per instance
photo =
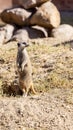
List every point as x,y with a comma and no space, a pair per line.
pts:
64,32
16,16
2,23
9,30
20,35
27,33
46,16
30,3
2,36
6,33
38,32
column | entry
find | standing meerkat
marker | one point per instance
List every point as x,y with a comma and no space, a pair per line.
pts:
24,69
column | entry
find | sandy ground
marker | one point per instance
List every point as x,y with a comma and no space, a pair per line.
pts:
46,111
52,107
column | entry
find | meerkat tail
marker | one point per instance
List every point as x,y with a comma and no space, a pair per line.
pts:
33,90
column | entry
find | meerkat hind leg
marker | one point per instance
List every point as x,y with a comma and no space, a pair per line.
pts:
24,93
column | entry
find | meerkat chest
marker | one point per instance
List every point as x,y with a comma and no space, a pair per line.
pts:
21,59
24,65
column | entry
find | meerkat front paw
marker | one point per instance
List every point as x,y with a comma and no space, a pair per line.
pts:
22,67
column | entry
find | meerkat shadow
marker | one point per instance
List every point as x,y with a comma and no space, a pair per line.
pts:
11,89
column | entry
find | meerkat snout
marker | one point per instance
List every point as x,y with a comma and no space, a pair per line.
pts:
23,44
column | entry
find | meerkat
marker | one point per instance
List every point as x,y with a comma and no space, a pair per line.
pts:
24,69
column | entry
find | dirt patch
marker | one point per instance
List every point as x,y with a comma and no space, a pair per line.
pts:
46,111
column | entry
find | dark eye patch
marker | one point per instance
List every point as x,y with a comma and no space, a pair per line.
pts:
24,43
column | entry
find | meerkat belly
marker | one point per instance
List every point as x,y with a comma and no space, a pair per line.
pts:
25,80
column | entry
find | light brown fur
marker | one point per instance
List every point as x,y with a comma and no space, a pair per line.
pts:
24,70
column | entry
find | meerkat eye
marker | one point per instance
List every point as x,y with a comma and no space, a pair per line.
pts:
26,44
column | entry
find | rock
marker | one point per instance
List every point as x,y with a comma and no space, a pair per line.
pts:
20,35
64,32
47,16
6,33
9,29
2,23
27,33
2,36
30,3
38,32
16,16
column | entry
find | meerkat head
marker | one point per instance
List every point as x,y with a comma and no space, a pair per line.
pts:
22,45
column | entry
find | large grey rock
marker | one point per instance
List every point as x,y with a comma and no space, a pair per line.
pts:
6,33
64,32
2,36
17,16
20,35
9,30
47,16
27,33
30,3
